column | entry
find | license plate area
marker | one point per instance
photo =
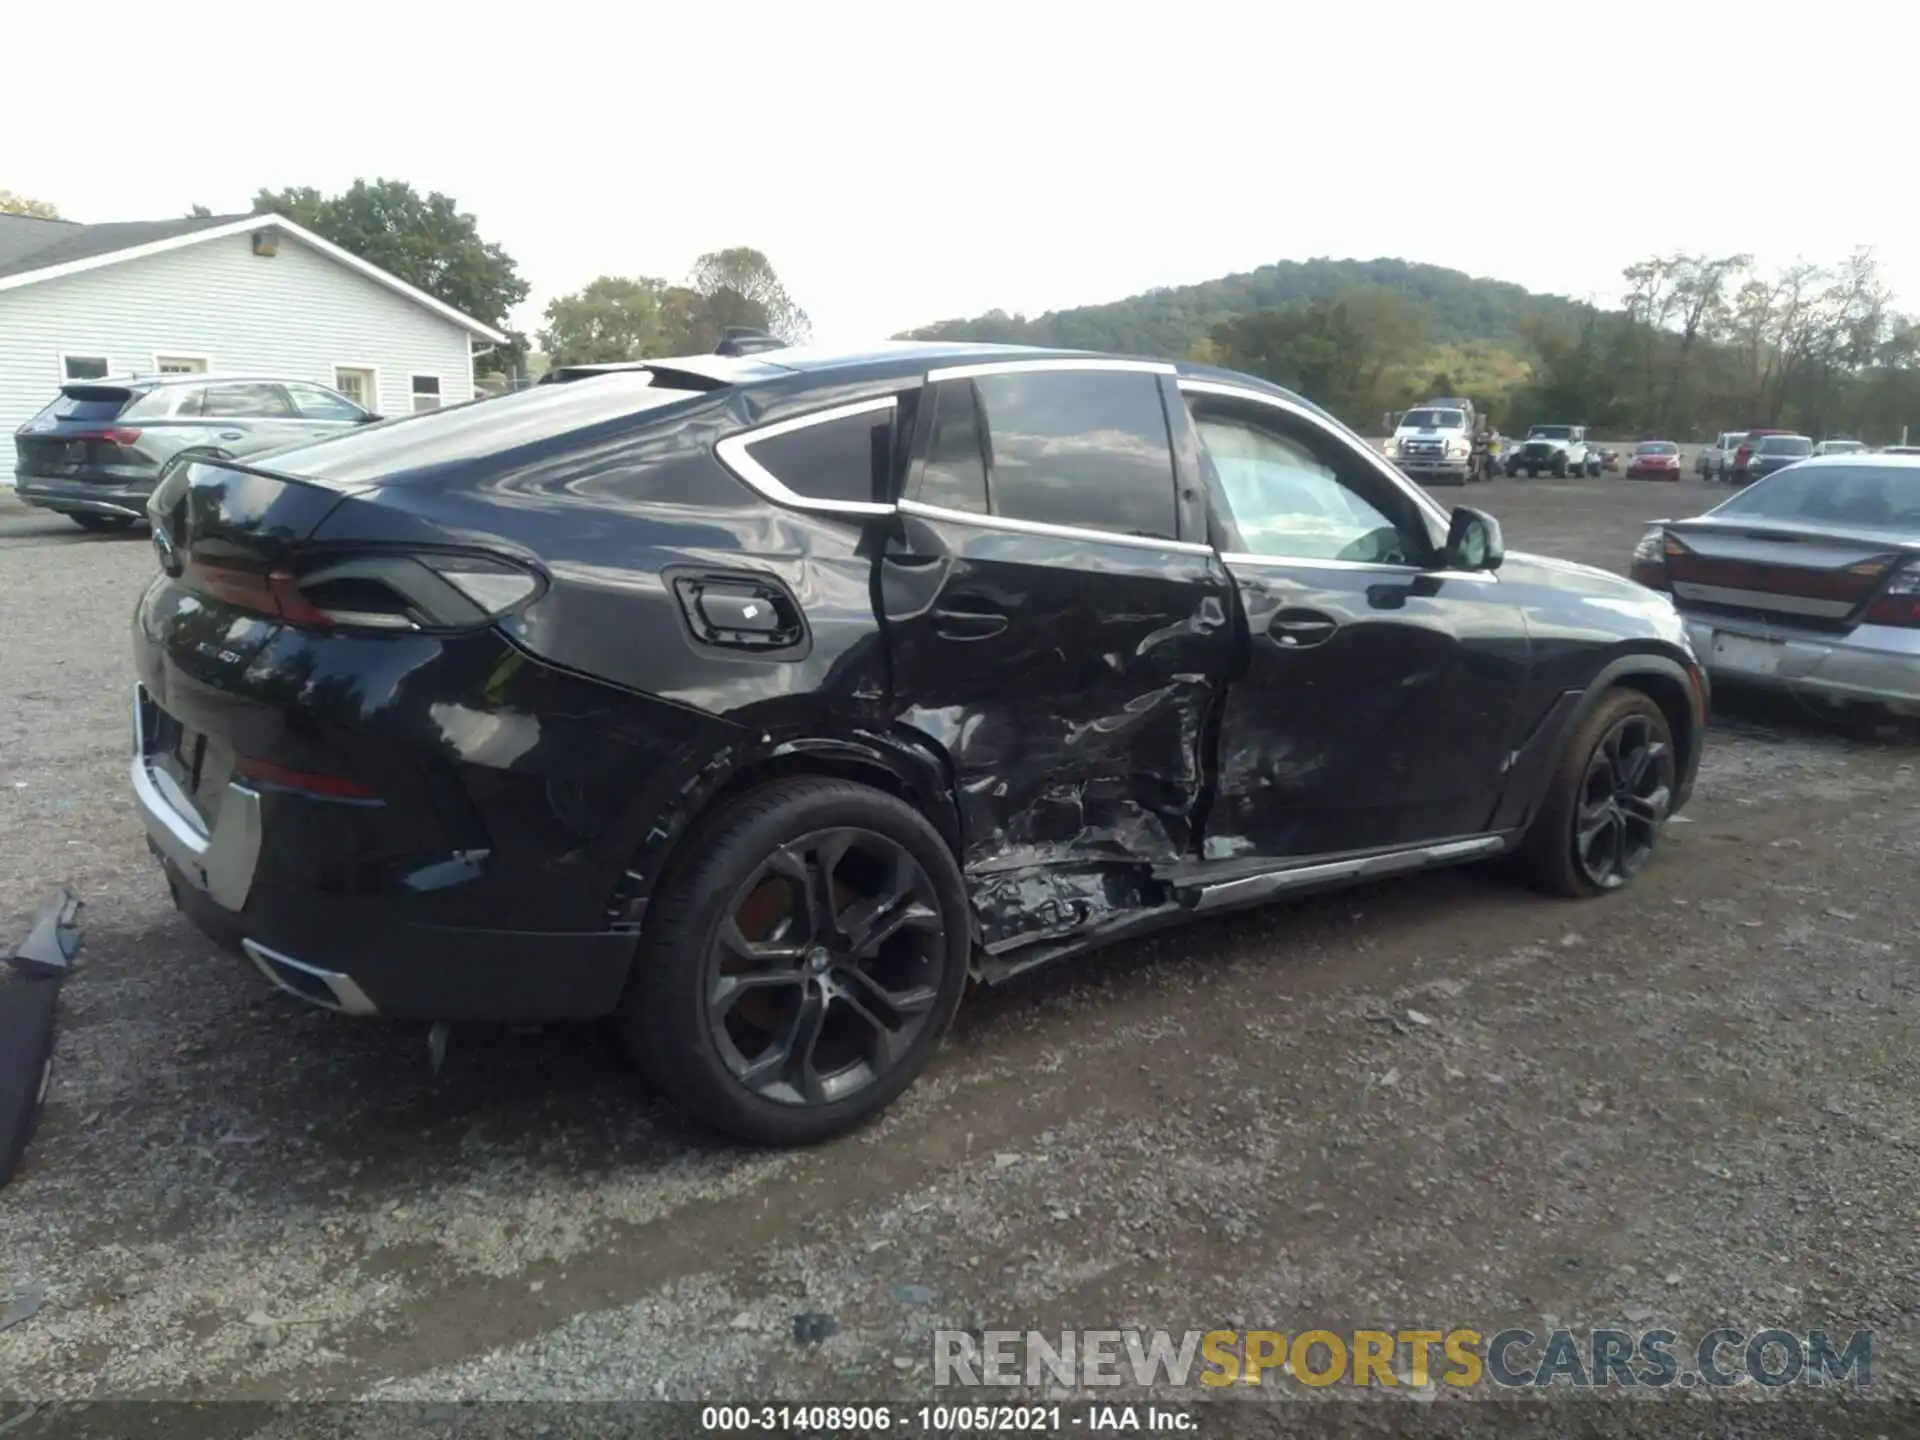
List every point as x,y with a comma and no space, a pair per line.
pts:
197,763
1746,655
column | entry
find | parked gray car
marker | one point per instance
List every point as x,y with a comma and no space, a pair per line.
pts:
1807,580
96,453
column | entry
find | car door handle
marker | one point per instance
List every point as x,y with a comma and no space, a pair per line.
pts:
1298,629
974,622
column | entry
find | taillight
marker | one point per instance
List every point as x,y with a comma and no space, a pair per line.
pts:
1899,603
111,437
382,592
1649,560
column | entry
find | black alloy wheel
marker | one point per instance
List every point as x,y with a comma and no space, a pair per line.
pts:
1606,804
1623,802
800,958
824,969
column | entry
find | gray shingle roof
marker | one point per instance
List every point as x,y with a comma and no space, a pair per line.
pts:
27,244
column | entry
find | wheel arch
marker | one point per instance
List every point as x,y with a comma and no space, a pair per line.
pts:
900,765
1668,677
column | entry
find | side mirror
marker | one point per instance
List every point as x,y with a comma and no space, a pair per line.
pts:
1473,541
371,419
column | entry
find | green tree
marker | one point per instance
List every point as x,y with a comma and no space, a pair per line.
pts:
12,204
425,240
615,318
741,283
611,318
1348,352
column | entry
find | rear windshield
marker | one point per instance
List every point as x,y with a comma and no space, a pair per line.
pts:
1656,447
419,446
1842,447
1786,445
1859,497
1434,419
1550,432
87,403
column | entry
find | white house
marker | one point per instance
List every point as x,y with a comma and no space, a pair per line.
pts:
245,294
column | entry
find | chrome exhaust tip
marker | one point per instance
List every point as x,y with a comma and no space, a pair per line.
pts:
328,989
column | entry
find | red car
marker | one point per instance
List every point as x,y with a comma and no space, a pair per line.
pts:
1654,460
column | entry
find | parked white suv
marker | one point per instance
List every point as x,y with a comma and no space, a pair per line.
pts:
1716,459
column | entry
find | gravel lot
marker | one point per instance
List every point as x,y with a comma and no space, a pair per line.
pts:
1436,1103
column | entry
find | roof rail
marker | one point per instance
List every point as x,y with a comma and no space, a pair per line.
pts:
745,340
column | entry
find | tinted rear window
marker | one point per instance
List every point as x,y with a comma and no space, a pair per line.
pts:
843,459
1860,497
87,403
955,475
1081,448
1786,445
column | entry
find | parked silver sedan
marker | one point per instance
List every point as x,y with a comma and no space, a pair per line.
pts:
1808,580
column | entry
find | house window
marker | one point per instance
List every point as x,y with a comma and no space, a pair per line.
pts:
426,392
85,367
180,364
356,382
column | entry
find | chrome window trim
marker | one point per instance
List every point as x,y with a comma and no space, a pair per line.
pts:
1291,562
735,452
1259,397
1013,367
1058,532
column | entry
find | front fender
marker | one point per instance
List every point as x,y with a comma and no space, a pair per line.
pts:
1669,675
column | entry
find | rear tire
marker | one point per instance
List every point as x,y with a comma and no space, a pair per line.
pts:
103,524
771,885
1612,787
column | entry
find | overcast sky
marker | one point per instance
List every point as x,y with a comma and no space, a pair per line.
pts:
907,163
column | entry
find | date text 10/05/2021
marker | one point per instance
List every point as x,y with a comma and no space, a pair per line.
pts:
945,1419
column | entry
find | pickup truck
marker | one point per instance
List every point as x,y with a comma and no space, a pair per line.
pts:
1434,443
1716,459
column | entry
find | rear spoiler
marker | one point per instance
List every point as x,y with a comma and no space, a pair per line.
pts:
690,372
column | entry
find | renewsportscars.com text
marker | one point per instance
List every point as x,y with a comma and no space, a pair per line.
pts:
1508,1359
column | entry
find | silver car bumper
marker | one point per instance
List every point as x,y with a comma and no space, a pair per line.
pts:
1879,663
219,861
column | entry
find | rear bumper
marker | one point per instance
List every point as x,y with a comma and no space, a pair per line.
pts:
85,497
1873,663
413,971
382,907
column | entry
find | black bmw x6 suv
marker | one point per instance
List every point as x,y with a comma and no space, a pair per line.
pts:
758,702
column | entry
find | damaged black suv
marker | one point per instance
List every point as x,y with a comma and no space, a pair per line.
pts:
759,701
